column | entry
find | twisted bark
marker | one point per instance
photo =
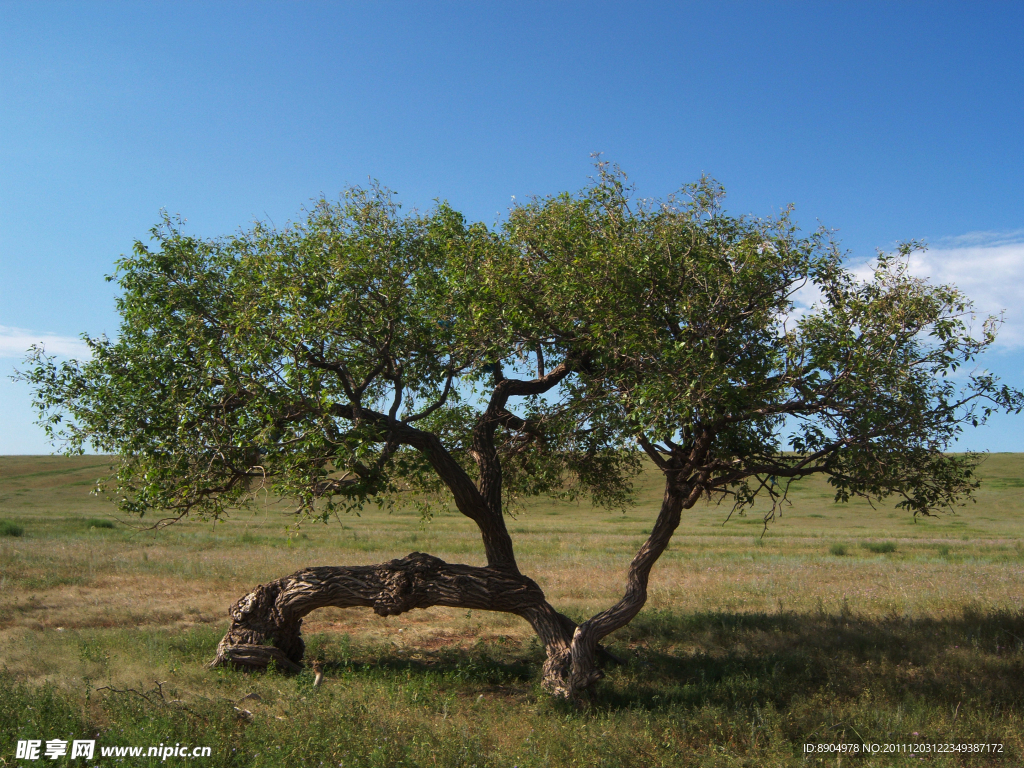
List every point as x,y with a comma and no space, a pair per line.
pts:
582,669
266,623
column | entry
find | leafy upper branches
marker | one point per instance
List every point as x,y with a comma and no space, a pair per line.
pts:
363,352
701,355
334,361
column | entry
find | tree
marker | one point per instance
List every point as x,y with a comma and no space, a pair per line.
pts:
363,355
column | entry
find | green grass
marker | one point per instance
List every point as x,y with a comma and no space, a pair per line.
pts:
7,528
749,647
772,683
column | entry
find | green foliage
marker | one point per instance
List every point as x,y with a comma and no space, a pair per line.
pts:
360,354
8,528
96,522
699,353
839,550
296,362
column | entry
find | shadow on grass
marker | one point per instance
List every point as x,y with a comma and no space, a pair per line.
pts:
732,659
486,664
745,660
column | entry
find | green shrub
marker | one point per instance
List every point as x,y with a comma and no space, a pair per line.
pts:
7,528
98,523
879,547
837,549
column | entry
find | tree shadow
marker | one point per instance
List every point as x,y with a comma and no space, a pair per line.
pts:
731,659
485,664
743,660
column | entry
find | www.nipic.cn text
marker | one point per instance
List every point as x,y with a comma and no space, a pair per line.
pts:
51,749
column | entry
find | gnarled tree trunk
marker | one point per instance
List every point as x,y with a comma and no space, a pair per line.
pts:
583,671
266,623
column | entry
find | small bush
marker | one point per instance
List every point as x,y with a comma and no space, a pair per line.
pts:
837,549
7,528
97,523
944,550
879,547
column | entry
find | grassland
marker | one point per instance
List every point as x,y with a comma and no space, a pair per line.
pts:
839,624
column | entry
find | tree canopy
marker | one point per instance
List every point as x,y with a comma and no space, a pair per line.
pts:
367,355
694,327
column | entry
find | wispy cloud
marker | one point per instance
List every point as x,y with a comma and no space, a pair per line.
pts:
991,275
980,240
15,342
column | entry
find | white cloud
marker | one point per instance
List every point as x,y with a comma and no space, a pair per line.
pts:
804,298
991,275
15,342
987,266
989,272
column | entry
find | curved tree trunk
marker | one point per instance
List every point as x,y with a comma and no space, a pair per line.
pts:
266,623
583,671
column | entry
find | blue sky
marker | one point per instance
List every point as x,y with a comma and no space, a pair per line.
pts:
886,121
